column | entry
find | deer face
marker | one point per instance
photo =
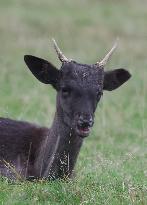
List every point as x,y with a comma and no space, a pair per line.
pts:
79,88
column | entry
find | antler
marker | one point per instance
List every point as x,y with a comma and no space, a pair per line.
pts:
61,56
103,62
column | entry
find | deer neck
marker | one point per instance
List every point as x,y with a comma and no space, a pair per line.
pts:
59,150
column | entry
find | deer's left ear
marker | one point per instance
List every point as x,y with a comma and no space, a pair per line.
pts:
115,78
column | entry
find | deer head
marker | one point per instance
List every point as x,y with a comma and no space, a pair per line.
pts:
79,87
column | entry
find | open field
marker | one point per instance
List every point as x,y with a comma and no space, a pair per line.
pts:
112,166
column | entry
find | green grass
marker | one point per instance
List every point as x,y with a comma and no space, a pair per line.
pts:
112,166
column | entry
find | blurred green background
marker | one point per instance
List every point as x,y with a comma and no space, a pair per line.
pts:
112,166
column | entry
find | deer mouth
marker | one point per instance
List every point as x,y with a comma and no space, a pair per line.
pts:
83,131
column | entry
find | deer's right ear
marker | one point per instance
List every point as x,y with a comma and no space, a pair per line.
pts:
43,70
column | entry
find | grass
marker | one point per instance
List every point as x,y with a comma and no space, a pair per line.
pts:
112,166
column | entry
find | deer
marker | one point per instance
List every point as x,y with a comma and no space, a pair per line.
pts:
29,151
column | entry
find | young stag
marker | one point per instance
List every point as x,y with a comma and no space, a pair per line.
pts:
30,151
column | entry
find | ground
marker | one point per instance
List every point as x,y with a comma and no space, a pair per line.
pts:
112,166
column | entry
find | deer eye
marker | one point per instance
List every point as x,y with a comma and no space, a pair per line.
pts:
65,91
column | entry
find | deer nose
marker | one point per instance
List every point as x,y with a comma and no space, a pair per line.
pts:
85,122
